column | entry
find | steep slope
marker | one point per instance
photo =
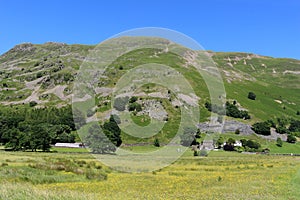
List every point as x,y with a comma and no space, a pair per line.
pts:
45,74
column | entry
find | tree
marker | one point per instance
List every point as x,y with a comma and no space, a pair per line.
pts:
198,133
262,128
252,144
188,137
98,141
291,139
156,142
251,96
135,107
113,131
12,137
237,131
133,99
220,142
294,126
231,141
279,142
32,103
282,130
40,137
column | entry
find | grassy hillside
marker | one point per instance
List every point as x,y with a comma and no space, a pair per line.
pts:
45,74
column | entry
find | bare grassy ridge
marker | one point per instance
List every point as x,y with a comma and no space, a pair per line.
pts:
221,175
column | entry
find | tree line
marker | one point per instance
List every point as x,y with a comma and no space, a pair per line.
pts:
37,128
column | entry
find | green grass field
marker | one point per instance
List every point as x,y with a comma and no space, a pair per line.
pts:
221,175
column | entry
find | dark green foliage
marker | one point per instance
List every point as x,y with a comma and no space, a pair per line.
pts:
196,153
133,99
262,128
231,141
33,129
291,139
135,107
117,119
198,134
39,74
237,131
156,142
295,126
98,141
250,145
282,130
298,112
32,103
251,96
279,142
229,146
104,139
188,137
219,109
113,131
220,142
231,110
271,123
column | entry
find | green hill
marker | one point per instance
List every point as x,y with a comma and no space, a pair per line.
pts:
45,74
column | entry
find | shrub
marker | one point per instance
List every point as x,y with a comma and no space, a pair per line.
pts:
196,153
237,131
251,96
291,139
262,128
133,99
239,149
279,142
294,126
252,144
156,142
32,103
39,74
135,107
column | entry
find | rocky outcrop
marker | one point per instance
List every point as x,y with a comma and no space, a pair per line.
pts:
229,126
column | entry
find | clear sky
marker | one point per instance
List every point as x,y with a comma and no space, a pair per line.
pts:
266,27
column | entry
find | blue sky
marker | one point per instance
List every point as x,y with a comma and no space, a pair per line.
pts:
260,26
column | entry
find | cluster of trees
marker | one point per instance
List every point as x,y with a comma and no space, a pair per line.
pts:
247,145
133,105
282,126
230,110
32,129
121,102
106,138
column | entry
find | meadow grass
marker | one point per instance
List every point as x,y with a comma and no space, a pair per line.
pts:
220,175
